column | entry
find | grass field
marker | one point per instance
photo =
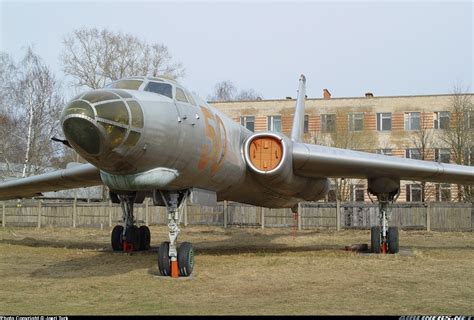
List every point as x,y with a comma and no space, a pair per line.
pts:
237,271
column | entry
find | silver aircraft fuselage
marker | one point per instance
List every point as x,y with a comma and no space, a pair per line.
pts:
180,145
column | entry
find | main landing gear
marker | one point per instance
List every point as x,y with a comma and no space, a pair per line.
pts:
131,237
384,238
174,261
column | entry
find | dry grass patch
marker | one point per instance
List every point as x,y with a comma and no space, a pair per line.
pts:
238,271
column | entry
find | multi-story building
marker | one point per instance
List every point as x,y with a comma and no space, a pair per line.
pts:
401,126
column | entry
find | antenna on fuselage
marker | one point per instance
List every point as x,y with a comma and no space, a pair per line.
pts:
298,120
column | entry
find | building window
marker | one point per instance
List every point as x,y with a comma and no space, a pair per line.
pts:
443,192
356,121
413,193
469,116
384,121
412,121
306,124
274,123
386,152
357,192
441,120
469,156
248,122
328,123
443,155
413,154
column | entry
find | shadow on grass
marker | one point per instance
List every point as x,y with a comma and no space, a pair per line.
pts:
66,244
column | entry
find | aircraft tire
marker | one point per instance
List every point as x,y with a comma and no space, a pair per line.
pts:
164,265
117,244
185,259
144,237
392,239
375,239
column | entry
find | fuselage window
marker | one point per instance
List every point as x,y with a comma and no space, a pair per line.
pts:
180,96
126,84
164,89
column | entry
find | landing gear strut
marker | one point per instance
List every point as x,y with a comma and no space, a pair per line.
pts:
129,237
174,261
384,239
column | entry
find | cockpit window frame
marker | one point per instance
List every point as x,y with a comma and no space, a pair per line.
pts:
190,97
162,82
184,94
139,88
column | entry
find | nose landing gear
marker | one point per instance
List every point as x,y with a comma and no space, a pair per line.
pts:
174,261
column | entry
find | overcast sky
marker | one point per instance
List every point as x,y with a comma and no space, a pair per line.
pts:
388,48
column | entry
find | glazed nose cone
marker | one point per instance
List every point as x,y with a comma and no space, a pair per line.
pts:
102,120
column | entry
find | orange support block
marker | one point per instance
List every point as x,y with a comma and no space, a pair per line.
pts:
174,269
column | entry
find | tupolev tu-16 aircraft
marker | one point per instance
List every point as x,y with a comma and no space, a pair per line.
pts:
150,137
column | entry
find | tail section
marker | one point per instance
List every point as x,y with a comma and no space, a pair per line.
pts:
298,120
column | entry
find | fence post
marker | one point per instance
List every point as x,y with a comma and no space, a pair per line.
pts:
299,216
226,210
4,223
428,216
338,215
262,217
110,213
39,214
74,212
147,213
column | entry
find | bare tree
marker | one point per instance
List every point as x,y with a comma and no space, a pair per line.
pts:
422,140
227,91
248,95
339,135
94,57
38,101
459,136
223,91
10,152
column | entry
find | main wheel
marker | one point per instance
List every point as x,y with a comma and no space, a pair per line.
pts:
133,237
144,237
392,239
185,259
117,244
375,239
164,265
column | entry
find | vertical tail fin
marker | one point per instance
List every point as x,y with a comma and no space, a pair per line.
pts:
298,120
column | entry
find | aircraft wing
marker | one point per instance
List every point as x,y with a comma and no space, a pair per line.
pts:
84,175
316,161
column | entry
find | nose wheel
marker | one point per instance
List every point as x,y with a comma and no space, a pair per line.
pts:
173,261
184,264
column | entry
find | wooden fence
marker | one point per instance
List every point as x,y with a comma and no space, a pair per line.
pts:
431,216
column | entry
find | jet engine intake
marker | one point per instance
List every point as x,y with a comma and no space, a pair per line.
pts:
269,157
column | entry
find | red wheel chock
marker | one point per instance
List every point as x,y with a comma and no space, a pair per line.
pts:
174,269
383,249
128,247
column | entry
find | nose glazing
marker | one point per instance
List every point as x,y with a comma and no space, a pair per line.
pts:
102,120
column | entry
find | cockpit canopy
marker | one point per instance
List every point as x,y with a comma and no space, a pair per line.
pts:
163,86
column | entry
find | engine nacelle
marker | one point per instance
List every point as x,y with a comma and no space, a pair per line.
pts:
269,157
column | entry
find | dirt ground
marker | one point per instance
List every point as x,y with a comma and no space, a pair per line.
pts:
237,271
